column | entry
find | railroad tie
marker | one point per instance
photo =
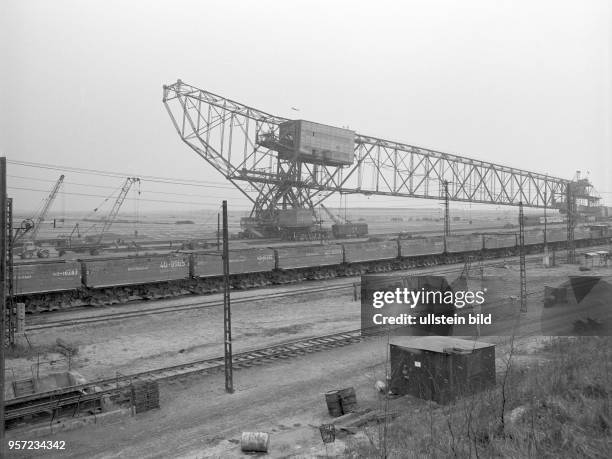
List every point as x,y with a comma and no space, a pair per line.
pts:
258,355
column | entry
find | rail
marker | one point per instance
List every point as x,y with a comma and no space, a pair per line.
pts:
50,324
50,401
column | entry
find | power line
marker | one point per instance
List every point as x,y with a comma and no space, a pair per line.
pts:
108,187
131,199
150,178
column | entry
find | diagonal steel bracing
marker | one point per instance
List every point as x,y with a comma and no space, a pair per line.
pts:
228,136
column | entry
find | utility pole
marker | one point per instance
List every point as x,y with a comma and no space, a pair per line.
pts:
227,314
446,210
545,225
8,290
218,231
546,258
446,213
320,225
522,258
3,252
571,209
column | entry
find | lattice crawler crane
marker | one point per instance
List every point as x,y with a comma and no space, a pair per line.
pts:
96,246
345,229
29,247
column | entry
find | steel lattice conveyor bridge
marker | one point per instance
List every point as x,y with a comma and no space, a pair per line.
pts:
244,145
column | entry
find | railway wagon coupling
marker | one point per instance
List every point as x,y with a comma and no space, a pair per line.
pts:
51,285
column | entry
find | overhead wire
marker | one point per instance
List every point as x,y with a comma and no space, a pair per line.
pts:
150,178
103,196
102,186
107,197
154,179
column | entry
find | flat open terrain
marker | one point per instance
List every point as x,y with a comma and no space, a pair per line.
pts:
198,419
153,231
136,344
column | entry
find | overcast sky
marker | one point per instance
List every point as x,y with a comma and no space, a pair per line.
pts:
522,83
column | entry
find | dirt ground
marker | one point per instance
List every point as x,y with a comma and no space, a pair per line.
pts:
137,344
163,227
198,419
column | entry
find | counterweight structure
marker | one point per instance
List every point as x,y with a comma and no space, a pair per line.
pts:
281,164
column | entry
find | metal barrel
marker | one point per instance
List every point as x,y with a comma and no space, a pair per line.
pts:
332,398
348,400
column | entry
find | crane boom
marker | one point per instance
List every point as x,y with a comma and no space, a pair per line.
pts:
45,209
278,163
112,215
335,219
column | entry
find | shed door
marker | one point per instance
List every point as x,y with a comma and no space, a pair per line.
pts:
417,370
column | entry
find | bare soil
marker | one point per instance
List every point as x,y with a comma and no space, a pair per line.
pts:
137,344
198,419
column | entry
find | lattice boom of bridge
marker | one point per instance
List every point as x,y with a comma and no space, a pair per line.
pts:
228,136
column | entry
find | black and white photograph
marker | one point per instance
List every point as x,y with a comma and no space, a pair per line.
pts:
306,229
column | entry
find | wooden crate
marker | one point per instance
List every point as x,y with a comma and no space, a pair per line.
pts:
145,396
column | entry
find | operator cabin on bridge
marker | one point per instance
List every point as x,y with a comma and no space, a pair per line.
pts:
311,142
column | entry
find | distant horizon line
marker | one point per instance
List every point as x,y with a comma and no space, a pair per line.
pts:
80,213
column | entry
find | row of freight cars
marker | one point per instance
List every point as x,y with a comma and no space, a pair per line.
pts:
53,285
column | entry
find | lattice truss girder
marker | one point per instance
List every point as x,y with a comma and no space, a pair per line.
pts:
225,133
404,170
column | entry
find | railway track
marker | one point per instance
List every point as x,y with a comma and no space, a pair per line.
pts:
48,402
44,324
80,293
31,406
177,308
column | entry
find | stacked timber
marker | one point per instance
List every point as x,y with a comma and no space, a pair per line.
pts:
341,401
145,396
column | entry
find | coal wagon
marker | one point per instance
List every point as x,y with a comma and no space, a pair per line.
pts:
362,257
44,277
421,246
464,243
113,272
581,233
370,251
241,261
534,237
556,235
599,231
309,256
499,241
307,262
248,267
